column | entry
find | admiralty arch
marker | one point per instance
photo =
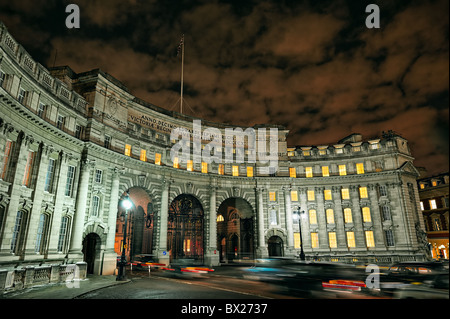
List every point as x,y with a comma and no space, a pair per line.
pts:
72,146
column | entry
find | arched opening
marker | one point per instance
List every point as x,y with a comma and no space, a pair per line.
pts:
139,223
91,252
275,246
235,230
185,229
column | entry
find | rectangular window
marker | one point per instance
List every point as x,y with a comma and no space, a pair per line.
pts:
60,122
330,216
311,196
421,206
389,238
272,196
70,180
249,171
314,240
78,131
235,170
306,153
41,110
345,193
359,168
6,159
363,192
348,216
41,234
95,205
433,204
386,211
28,169
21,95
327,194
273,217
297,241
437,224
309,171
204,167
190,165
2,78
342,170
292,172
294,196
62,234
127,150
157,158
312,217
366,215
351,239
49,176
17,231
325,171
332,239
176,163
98,175
143,156
107,143
370,241
221,169
382,190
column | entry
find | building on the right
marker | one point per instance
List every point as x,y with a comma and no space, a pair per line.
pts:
434,202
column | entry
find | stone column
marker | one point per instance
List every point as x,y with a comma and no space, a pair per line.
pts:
163,254
76,243
212,255
288,215
262,246
110,257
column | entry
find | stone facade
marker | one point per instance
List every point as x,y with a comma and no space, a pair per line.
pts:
72,144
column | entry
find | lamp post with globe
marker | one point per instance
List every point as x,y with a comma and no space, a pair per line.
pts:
126,204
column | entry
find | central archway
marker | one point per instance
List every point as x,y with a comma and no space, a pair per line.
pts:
235,230
185,228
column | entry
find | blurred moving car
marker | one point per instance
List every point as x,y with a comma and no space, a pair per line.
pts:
436,288
401,275
188,268
142,262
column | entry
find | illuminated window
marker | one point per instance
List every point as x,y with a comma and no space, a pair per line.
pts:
6,159
325,171
292,172
348,216
314,240
422,186
366,215
345,193
220,218
28,169
327,194
204,167
221,169
359,168
322,152
433,183
332,239
342,170
143,156
311,196
157,159
370,241
433,204
272,196
309,172
235,170
176,163
190,165
297,242
127,149
421,206
312,216
330,216
249,171
363,192
294,196
356,148
351,239
306,153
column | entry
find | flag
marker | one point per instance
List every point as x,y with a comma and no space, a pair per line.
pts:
180,45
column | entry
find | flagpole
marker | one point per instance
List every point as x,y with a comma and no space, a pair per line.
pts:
182,74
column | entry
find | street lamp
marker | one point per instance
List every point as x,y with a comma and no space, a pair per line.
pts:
127,204
297,215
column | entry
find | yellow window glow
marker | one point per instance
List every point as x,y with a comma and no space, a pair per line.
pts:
190,165
272,196
370,241
249,171
359,168
330,216
143,156
332,239
327,194
311,196
366,215
342,170
292,172
314,240
127,149
176,163
294,196
204,167
325,171
348,215
345,193
309,172
351,239
235,170
363,192
312,216
221,169
157,158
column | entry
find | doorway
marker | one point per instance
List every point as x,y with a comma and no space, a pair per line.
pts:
91,252
275,246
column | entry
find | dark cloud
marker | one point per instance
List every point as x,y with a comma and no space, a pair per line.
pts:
311,66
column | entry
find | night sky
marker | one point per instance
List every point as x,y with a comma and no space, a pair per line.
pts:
311,66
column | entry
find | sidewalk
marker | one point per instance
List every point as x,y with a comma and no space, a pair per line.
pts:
68,290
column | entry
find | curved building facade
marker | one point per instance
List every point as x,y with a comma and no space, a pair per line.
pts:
73,145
